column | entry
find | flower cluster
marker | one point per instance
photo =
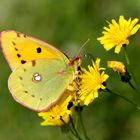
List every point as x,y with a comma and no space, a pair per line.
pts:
89,82
59,113
92,80
82,91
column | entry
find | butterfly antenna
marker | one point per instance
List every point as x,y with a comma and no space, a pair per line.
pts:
84,44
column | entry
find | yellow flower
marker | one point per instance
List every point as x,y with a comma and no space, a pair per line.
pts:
91,81
58,114
117,34
117,66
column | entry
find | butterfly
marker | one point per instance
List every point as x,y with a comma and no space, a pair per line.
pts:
40,72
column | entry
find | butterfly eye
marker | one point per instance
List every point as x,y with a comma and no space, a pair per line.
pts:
36,77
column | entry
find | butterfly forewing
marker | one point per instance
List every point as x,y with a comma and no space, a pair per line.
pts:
19,48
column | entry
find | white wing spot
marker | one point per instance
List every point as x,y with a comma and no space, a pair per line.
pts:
37,77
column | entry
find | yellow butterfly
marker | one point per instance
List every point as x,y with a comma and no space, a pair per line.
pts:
40,72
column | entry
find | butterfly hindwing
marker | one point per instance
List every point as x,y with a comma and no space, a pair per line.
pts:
38,84
19,48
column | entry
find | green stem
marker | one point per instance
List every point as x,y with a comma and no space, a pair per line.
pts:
129,67
69,127
131,85
126,56
76,122
126,99
73,126
82,124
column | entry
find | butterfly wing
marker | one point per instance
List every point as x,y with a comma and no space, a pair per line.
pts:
19,48
38,84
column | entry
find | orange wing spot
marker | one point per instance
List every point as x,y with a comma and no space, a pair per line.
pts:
61,72
24,35
33,63
25,91
13,43
20,78
16,49
33,96
18,34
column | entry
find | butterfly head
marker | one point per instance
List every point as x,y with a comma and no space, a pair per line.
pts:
75,61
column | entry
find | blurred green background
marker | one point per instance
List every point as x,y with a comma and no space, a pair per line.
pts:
67,24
